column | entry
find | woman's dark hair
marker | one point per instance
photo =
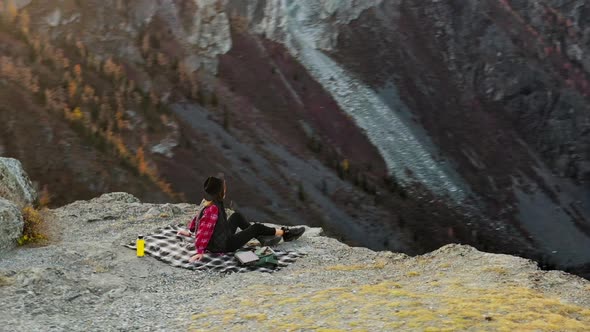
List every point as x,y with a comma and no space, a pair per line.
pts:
214,189
221,195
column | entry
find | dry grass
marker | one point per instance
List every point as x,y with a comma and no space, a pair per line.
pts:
5,281
496,269
392,306
376,266
35,228
97,266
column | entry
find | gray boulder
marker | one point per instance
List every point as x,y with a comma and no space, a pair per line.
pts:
15,184
11,224
115,197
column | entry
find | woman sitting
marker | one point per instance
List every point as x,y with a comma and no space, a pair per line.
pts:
217,233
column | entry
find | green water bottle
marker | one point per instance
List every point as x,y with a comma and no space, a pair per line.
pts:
140,245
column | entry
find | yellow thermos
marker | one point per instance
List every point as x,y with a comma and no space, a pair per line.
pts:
140,245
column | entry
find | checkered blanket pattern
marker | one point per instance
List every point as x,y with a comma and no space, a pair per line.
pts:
165,245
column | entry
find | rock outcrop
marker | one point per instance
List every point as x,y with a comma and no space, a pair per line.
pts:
86,281
11,224
15,184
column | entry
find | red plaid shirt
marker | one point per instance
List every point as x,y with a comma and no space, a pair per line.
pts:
206,227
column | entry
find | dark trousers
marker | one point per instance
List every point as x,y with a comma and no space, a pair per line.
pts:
247,233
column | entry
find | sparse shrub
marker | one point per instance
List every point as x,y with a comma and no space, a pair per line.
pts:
5,281
345,167
315,144
34,228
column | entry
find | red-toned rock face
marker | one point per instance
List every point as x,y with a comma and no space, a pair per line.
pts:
487,98
329,108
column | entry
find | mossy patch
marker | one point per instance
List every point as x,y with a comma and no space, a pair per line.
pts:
34,226
393,305
496,269
97,266
5,281
358,267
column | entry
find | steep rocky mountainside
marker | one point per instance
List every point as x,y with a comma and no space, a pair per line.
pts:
85,280
449,120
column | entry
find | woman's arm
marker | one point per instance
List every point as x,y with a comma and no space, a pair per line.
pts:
192,224
191,227
206,228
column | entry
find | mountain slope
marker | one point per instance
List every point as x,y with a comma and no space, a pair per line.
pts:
419,124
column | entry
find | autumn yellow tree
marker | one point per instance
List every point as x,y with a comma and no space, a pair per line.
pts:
77,114
142,166
11,11
7,68
35,43
121,123
34,86
87,94
72,90
162,59
78,72
24,22
81,48
65,62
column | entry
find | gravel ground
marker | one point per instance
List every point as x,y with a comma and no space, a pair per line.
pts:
86,281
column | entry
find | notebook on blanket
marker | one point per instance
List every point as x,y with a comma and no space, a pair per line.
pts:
165,245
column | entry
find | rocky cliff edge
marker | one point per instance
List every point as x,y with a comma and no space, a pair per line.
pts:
85,280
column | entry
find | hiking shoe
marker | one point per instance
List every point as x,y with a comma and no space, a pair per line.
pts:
268,241
292,233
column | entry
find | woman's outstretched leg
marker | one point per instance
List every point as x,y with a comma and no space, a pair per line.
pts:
237,220
238,240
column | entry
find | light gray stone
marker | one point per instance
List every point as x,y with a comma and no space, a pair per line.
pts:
15,184
165,147
11,224
116,197
20,4
54,18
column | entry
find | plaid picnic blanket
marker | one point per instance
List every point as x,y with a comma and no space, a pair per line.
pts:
163,244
